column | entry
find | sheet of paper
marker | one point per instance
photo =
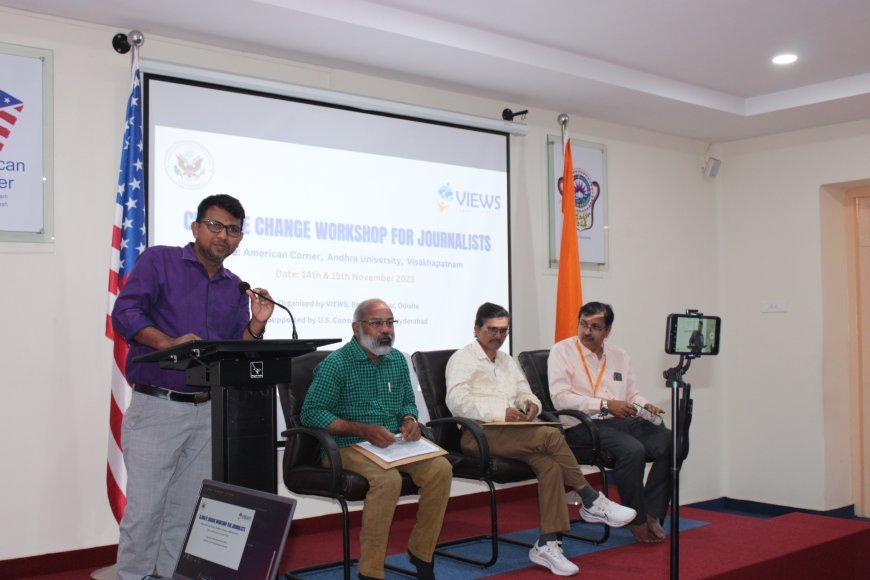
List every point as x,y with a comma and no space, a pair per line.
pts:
401,449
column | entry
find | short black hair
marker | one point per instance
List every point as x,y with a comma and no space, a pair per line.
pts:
490,310
226,202
593,308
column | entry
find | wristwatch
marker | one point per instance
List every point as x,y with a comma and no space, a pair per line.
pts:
604,409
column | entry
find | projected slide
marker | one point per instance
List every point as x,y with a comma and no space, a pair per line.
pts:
329,225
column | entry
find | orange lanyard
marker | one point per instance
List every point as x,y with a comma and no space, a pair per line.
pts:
588,374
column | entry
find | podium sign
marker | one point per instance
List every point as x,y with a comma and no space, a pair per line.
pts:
242,375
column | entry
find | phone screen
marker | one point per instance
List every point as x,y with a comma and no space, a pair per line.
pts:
692,334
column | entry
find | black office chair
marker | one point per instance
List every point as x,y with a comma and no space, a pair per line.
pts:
430,367
304,473
534,365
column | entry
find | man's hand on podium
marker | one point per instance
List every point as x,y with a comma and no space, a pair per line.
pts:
159,340
182,339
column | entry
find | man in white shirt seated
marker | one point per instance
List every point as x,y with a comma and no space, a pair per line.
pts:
486,385
589,375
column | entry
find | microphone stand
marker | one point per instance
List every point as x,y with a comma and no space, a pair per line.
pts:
674,381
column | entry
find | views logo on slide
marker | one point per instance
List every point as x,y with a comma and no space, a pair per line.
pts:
188,165
468,200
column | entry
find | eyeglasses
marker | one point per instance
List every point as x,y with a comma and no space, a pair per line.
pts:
497,331
380,323
593,327
216,227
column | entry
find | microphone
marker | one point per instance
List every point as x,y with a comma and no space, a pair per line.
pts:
244,287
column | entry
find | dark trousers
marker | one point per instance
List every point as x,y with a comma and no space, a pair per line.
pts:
634,442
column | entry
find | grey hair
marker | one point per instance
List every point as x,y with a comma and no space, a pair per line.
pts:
363,307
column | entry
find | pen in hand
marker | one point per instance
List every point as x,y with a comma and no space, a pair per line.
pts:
519,412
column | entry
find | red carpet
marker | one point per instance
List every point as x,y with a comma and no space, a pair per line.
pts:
732,546
794,546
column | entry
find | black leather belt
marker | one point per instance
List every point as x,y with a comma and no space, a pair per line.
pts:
152,391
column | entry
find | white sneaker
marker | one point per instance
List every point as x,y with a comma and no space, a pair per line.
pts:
550,555
604,511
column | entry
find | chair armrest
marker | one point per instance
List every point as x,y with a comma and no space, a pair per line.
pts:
329,446
426,432
551,417
585,421
479,438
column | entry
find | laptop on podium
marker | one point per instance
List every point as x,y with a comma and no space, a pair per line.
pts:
235,533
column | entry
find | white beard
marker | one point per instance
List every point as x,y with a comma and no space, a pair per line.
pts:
372,345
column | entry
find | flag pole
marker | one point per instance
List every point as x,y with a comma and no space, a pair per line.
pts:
128,240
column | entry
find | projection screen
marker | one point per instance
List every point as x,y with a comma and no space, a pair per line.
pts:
342,205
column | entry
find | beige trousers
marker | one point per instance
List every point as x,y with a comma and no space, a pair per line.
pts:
432,476
544,449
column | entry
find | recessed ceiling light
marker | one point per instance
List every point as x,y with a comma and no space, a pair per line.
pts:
784,58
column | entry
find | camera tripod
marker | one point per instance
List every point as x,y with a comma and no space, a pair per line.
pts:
681,409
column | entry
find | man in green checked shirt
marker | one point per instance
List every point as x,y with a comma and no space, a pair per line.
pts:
363,391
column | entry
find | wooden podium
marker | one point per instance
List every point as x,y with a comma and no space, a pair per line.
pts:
242,375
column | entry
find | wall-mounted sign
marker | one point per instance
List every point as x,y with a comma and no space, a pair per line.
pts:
25,145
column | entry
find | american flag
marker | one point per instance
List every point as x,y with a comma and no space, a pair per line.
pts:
128,242
10,109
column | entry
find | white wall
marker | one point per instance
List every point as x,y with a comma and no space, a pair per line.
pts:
676,241
787,425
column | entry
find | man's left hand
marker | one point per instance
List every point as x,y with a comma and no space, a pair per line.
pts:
410,429
653,409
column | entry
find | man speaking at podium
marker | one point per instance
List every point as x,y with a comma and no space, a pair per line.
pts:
172,296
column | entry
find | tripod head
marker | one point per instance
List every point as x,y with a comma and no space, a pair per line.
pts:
676,373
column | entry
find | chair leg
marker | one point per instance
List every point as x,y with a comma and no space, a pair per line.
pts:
605,535
346,562
493,537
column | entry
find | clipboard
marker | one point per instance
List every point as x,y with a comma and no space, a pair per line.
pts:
377,454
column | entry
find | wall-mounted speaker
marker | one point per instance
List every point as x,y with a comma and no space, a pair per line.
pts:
711,169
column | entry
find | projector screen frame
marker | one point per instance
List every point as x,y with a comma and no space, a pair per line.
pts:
147,144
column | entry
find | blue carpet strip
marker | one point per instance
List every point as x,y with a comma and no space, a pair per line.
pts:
756,509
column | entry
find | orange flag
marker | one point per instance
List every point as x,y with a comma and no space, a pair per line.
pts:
569,296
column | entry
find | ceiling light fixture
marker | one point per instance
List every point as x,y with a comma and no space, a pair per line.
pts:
784,59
